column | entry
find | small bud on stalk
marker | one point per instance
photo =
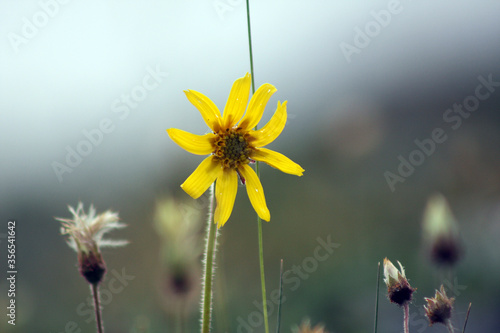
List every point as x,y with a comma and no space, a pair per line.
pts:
439,308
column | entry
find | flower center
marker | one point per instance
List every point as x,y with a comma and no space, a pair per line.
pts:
232,148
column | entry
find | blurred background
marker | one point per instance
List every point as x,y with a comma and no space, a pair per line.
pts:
363,81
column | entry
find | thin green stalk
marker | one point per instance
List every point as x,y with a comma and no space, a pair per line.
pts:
250,45
262,276
259,221
376,298
281,298
208,275
97,307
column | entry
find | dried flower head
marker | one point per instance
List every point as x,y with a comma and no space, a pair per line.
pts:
441,232
399,290
85,235
305,327
438,308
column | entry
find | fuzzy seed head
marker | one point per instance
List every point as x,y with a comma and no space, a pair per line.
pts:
85,233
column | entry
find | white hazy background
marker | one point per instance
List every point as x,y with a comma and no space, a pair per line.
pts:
66,78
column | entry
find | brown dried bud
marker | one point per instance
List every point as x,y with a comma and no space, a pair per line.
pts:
92,267
439,308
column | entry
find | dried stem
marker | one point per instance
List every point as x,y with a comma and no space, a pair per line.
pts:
97,307
406,308
466,317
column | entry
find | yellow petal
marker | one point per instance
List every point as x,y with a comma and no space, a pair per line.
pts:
195,144
225,193
201,179
272,129
256,106
237,101
277,160
207,108
255,192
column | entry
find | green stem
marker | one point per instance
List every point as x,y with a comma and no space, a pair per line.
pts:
281,298
250,45
262,276
97,307
376,298
259,221
208,276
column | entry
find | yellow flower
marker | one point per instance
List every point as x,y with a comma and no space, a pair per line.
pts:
232,145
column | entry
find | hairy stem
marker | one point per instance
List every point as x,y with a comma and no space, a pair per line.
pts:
97,307
449,326
208,274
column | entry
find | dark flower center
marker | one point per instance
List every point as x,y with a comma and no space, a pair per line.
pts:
232,148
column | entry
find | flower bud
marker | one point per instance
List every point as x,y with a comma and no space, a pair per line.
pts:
399,290
441,232
438,309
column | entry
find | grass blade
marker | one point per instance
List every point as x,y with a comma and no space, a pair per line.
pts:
466,317
376,299
281,297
